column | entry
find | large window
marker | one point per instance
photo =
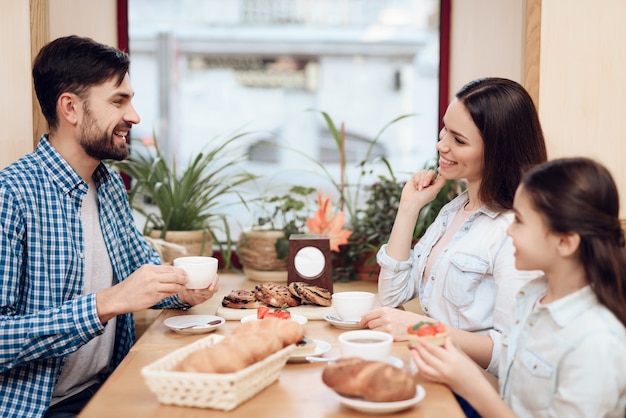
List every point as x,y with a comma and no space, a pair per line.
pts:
204,68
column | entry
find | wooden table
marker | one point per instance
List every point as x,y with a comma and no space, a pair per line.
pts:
299,392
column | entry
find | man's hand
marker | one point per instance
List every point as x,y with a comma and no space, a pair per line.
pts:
197,296
141,290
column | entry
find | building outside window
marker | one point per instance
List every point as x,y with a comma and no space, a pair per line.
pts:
204,68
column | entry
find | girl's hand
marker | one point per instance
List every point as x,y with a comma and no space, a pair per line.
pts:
446,364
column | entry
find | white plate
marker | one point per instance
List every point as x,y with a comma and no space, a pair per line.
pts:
321,348
333,319
381,407
176,322
298,318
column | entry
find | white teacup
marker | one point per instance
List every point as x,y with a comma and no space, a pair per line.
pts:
366,344
350,306
200,270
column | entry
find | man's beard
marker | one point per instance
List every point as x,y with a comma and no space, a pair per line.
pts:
101,145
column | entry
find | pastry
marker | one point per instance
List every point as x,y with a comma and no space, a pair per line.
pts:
274,294
304,346
373,381
435,332
249,343
310,294
289,332
241,299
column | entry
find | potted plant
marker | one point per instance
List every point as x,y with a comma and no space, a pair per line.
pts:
373,222
187,206
264,247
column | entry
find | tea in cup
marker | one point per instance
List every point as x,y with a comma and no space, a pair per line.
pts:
366,344
200,270
350,306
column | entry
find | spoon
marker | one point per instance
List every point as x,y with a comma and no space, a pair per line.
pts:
195,324
337,319
313,359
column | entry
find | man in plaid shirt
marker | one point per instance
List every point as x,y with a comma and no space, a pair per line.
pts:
73,265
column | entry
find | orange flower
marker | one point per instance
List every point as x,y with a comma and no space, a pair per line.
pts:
328,224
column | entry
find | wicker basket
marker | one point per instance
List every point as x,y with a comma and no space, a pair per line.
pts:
211,390
256,250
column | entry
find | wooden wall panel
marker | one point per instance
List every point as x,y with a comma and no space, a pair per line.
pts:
532,49
39,36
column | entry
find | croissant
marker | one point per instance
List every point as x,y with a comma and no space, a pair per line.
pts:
374,381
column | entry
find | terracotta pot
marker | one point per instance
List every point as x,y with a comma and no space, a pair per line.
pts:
198,242
367,269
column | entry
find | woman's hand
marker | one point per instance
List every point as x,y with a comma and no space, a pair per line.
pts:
421,189
392,321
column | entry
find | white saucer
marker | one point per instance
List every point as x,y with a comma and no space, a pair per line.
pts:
298,318
334,320
176,322
381,407
321,348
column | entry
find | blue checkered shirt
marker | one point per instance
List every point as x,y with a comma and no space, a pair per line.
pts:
44,315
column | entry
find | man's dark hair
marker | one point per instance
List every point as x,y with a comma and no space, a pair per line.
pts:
74,64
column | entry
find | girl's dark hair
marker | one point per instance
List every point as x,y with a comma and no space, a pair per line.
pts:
513,139
579,195
74,64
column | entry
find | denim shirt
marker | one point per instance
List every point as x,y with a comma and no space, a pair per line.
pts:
44,315
564,359
472,284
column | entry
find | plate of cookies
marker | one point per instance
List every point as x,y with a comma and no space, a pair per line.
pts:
298,297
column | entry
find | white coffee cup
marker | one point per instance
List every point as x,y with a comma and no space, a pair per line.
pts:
350,306
200,270
366,344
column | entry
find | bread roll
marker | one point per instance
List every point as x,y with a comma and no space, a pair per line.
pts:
374,381
249,343
289,331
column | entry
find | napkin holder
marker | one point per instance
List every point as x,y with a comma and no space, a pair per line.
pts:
309,260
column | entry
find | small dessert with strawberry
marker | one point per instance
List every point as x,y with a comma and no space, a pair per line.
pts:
280,313
436,332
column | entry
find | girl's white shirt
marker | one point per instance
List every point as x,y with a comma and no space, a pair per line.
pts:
564,359
473,282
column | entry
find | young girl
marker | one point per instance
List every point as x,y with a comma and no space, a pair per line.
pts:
565,355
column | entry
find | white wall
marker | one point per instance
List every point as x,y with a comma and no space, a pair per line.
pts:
583,83
96,19
15,107
486,40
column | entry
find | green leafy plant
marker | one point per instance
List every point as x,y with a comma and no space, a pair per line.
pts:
287,213
192,198
350,192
